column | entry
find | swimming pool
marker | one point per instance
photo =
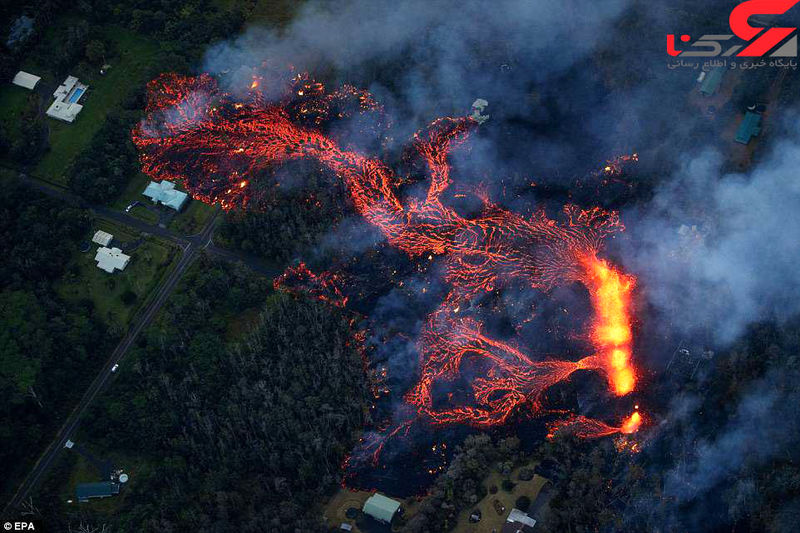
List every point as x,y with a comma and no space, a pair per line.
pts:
75,96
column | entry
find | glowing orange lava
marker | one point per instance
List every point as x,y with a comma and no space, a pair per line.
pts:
611,293
583,427
217,145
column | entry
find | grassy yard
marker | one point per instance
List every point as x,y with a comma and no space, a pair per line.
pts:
78,469
130,69
490,519
133,193
192,218
13,101
146,268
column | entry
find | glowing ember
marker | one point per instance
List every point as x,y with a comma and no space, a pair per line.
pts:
217,145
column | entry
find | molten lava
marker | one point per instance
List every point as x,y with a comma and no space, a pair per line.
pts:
583,427
217,144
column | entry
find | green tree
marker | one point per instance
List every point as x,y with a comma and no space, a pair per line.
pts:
95,52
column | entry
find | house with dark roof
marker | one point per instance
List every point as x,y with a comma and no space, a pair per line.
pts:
99,489
749,128
712,81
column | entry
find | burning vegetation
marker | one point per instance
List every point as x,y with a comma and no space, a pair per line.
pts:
218,145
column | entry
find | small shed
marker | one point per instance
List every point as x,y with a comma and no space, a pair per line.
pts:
749,128
712,81
25,80
100,489
102,238
518,522
381,508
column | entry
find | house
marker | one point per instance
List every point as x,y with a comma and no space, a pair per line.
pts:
477,111
65,106
110,259
25,80
518,522
102,238
100,489
164,192
712,81
749,128
381,508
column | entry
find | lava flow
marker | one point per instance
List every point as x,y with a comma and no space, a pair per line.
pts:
583,427
217,145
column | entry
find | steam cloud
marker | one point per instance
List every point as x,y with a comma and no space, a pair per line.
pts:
739,264
435,58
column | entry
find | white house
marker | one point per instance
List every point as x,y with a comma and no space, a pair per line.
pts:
65,106
381,508
518,522
110,259
164,192
25,80
102,238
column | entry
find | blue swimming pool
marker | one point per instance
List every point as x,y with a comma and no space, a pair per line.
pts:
75,96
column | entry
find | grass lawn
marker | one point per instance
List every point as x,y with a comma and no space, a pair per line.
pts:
192,218
13,102
74,468
129,70
133,193
490,520
146,268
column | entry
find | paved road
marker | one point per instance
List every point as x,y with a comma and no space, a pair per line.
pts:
191,246
140,321
254,263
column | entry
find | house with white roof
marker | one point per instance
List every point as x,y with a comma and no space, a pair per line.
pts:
518,522
102,238
65,106
110,259
25,80
381,508
164,192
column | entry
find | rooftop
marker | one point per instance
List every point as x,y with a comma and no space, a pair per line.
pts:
110,259
712,81
99,489
749,128
65,106
164,192
380,507
26,80
102,238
